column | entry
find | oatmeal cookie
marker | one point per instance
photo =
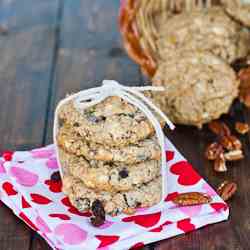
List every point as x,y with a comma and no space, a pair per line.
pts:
82,197
239,10
109,177
200,87
209,30
147,149
112,122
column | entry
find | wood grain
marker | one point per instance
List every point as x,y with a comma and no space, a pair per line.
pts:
90,50
51,48
26,50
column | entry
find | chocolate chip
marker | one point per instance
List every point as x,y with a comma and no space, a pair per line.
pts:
98,209
123,173
55,176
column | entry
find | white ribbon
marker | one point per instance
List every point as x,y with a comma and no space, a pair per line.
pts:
90,97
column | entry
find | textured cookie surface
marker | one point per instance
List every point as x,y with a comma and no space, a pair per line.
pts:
209,30
199,87
109,177
239,10
82,197
113,122
71,142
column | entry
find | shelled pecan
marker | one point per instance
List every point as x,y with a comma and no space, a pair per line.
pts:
241,128
234,155
191,199
220,163
219,128
227,189
213,151
244,77
230,142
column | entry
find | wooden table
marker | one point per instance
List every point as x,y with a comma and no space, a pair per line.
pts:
49,48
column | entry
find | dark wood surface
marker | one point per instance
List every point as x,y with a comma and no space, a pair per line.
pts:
49,48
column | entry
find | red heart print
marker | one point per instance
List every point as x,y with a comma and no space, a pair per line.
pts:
40,199
7,155
185,225
169,155
106,240
146,220
60,216
28,221
171,196
161,227
187,175
219,206
137,246
25,204
54,186
66,202
9,189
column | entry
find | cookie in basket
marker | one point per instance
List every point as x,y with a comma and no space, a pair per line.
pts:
144,150
209,30
82,197
113,122
239,10
199,87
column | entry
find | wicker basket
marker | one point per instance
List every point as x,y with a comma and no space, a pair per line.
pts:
139,21
142,23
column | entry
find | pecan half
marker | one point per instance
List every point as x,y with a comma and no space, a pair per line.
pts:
230,142
241,128
219,128
234,155
220,163
191,199
244,77
213,151
226,190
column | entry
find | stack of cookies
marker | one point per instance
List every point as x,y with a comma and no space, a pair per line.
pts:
109,153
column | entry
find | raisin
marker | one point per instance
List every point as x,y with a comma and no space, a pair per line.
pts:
98,209
131,115
98,217
55,176
138,204
61,121
97,221
96,119
123,173
76,124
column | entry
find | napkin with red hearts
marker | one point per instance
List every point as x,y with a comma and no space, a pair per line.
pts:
26,188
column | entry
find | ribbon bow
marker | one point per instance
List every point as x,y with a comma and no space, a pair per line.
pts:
90,97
